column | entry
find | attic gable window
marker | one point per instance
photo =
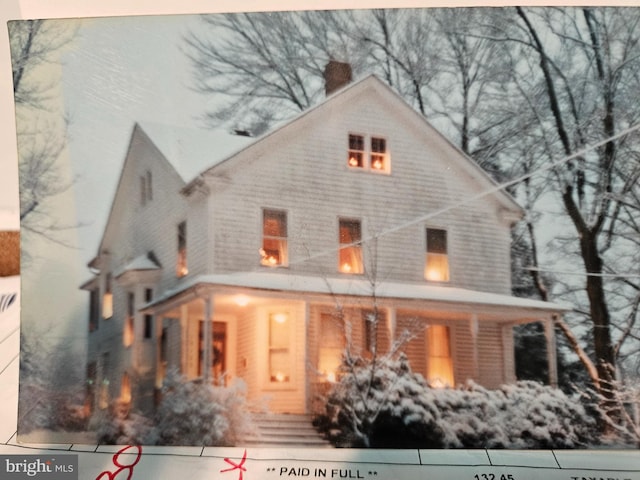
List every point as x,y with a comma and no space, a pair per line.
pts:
356,151
274,238
146,188
375,159
436,267
350,236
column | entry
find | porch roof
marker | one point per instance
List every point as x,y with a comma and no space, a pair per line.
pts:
356,287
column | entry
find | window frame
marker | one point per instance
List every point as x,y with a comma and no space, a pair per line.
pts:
434,254
365,159
182,266
432,358
287,348
128,333
106,310
350,248
280,257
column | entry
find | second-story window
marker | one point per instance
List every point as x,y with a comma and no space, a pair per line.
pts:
437,259
350,236
128,334
274,238
107,298
94,309
181,262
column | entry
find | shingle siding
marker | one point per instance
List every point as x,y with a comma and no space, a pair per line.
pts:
307,176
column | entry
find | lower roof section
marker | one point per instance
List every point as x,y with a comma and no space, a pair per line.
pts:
361,290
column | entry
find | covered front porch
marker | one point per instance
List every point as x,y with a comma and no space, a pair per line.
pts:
284,335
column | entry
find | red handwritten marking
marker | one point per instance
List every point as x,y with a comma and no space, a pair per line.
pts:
121,467
235,466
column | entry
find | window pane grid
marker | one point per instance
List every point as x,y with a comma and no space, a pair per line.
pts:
350,255
274,238
437,259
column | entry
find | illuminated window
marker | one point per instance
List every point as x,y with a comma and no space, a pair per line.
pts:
350,254
437,260
107,298
128,333
331,346
181,263
378,154
274,238
439,361
356,154
279,348
125,388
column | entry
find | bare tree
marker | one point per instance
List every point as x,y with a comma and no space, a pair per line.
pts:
576,70
41,128
268,67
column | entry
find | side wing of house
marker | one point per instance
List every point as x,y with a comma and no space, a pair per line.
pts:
138,257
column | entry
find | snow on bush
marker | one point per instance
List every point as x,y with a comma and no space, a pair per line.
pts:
194,413
383,404
190,413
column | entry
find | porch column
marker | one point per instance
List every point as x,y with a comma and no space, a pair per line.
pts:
206,333
550,335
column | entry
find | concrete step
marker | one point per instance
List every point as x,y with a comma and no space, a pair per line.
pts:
285,430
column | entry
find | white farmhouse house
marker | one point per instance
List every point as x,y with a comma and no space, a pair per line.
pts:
227,257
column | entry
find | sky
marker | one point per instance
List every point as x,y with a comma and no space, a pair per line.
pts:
119,71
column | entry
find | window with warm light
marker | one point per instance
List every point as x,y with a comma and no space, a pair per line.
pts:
279,360
107,298
181,262
375,158
350,253
274,238
356,154
128,334
331,346
436,267
378,154
125,388
439,361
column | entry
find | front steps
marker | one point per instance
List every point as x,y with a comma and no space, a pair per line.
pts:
285,430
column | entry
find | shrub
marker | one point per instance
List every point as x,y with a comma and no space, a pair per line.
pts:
190,413
384,404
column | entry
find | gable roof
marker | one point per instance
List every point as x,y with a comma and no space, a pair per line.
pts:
192,150
465,162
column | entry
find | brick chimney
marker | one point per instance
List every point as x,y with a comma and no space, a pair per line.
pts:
336,75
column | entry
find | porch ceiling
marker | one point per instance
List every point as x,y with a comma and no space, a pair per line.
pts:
409,296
